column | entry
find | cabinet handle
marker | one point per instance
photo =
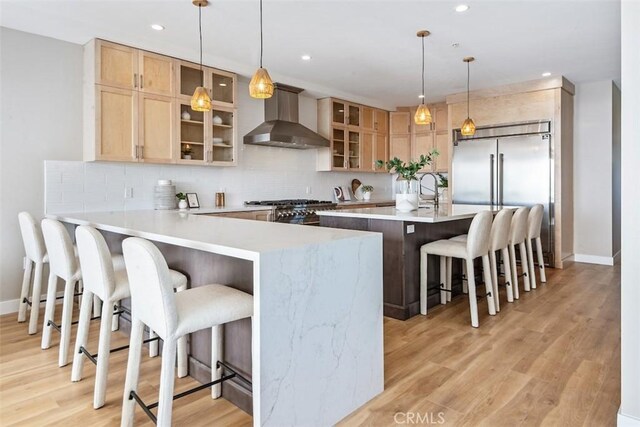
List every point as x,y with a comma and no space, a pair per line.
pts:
135,80
140,147
141,81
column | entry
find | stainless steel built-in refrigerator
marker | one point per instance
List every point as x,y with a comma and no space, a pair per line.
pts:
507,166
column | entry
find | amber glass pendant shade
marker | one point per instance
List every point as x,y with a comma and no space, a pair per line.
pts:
200,101
261,85
468,128
423,115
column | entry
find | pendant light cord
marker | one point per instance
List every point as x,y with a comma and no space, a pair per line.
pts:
200,31
422,69
261,44
468,89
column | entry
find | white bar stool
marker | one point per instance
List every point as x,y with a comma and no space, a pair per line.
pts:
36,254
173,315
533,233
110,285
517,237
498,241
477,245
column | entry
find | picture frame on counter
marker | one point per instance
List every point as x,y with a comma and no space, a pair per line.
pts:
192,200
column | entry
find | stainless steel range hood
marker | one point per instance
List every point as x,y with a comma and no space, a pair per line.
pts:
281,127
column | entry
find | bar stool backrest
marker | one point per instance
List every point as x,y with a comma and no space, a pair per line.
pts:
519,226
152,298
478,236
62,260
31,237
500,230
98,275
535,221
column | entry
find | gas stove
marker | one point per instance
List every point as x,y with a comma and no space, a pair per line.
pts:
296,211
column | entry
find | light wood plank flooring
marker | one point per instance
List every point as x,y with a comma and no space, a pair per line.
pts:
552,358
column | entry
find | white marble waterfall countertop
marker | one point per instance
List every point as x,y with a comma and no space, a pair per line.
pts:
317,332
233,237
445,212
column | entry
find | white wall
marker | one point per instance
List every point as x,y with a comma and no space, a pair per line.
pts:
42,120
594,184
41,101
630,296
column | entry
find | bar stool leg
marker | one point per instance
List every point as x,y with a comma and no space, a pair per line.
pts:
115,318
80,291
543,276
486,268
514,271
96,306
465,278
26,282
449,278
65,325
167,377
473,302
507,274
133,372
35,299
82,337
443,280
217,337
183,361
530,264
494,279
153,345
104,347
423,282
49,311
525,270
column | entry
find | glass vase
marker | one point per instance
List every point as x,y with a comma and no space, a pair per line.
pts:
406,194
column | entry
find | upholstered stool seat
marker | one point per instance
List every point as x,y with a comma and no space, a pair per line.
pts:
476,245
517,237
534,228
172,316
107,280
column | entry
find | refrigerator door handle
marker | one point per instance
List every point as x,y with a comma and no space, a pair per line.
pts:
491,180
500,179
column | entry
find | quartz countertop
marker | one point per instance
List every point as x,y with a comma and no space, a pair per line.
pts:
238,238
445,212
214,210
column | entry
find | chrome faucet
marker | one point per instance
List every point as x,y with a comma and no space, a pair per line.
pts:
435,187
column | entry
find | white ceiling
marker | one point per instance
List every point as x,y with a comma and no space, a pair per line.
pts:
362,50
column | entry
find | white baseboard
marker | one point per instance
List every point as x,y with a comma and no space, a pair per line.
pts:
627,420
594,259
12,305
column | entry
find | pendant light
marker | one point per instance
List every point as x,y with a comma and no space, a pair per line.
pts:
200,101
261,85
468,127
423,115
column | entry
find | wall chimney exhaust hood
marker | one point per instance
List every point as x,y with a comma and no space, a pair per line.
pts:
281,127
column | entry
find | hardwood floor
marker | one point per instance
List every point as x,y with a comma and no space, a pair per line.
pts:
551,358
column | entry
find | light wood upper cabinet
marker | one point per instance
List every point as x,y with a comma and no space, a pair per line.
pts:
400,147
116,127
381,121
115,65
400,122
156,129
355,144
137,109
442,145
156,74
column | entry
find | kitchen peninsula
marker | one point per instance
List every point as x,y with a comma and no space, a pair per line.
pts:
403,235
314,350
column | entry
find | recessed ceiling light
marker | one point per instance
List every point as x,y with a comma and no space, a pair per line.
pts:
157,27
462,8
306,57
420,96
222,84
546,74
456,44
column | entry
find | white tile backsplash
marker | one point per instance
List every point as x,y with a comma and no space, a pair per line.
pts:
263,173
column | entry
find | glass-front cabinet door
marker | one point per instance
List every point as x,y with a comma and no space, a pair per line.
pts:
354,150
222,87
339,109
353,119
191,134
338,146
223,136
189,78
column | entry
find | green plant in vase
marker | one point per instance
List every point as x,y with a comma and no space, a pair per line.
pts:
366,192
407,181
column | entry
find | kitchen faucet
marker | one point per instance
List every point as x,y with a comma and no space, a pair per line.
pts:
435,187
